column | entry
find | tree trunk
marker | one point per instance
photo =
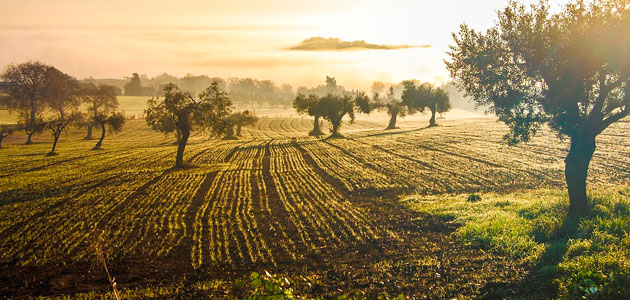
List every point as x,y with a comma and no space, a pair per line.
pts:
1,138
30,132
229,133
432,120
238,130
316,130
576,171
52,152
179,161
335,129
392,121
29,135
100,141
178,136
89,133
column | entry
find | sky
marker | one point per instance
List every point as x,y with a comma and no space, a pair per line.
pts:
241,38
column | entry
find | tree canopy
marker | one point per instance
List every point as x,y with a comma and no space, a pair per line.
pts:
63,92
569,70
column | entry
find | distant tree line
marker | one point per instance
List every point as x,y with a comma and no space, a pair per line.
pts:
242,91
46,98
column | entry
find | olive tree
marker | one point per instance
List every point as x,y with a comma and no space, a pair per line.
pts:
334,107
101,101
419,97
394,107
238,119
113,121
187,113
309,105
570,70
58,123
26,84
62,94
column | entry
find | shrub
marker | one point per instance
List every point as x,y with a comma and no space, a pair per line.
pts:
474,198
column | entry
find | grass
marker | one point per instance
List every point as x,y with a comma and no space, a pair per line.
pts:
586,258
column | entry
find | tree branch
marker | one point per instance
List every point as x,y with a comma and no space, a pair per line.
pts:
599,104
614,118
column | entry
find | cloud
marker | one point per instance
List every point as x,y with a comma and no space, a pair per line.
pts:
336,44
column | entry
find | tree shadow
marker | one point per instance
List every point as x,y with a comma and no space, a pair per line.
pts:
28,154
395,131
333,137
186,166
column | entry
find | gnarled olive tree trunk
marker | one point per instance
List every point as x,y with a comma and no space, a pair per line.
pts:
88,136
179,161
56,136
178,136
229,133
576,171
432,120
335,128
392,120
100,141
316,130
30,130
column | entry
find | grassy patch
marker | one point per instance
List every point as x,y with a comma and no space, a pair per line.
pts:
584,258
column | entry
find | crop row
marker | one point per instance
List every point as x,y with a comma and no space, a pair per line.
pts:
226,220
314,203
354,174
62,229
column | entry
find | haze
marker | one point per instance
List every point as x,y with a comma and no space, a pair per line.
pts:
242,38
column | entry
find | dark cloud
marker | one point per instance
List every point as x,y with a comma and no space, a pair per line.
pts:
335,44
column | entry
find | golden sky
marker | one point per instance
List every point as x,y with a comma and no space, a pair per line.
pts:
238,38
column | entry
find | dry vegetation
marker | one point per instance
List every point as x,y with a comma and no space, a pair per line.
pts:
322,211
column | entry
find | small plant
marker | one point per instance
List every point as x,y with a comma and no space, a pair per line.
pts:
97,243
266,286
474,198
